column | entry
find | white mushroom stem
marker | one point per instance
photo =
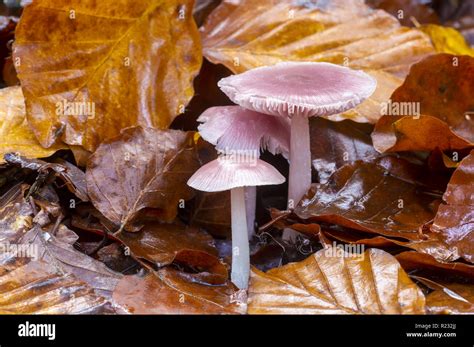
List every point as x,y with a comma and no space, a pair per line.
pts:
240,241
251,204
300,160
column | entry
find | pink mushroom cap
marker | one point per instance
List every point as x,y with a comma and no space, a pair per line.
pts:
233,128
304,88
226,173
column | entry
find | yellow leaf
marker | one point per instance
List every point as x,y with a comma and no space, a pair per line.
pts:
447,40
15,134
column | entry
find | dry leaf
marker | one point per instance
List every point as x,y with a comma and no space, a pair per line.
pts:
15,134
447,40
171,292
453,298
112,64
141,168
328,283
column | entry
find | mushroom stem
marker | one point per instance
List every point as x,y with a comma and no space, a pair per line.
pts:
300,160
240,241
251,204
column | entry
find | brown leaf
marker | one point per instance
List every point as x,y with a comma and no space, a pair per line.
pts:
426,265
36,288
455,219
132,61
163,244
212,212
171,292
72,176
335,144
41,272
245,34
454,298
382,197
407,11
15,134
141,168
327,283
445,101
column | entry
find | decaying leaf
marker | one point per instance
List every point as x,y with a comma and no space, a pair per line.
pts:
329,283
245,34
382,197
15,135
89,69
445,104
141,168
163,244
171,292
455,219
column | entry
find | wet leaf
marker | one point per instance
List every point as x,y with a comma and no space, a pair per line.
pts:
141,168
328,283
15,134
451,299
36,288
426,265
171,292
245,34
447,40
446,105
335,144
382,197
455,219
113,64
163,244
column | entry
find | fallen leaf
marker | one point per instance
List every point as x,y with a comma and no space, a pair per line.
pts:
426,265
245,34
454,220
15,134
171,292
454,298
35,288
373,197
141,168
111,64
335,144
163,244
447,40
407,11
445,103
328,283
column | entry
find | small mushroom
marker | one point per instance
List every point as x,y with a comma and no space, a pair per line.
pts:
231,173
299,90
233,129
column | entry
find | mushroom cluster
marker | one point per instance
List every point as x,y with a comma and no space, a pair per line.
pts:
274,106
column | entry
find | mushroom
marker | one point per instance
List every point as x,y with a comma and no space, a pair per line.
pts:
232,173
299,90
233,129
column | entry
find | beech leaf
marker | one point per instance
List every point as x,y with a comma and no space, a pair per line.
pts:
89,69
329,283
141,168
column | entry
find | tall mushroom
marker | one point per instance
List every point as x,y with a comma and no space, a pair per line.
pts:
299,90
232,173
233,129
